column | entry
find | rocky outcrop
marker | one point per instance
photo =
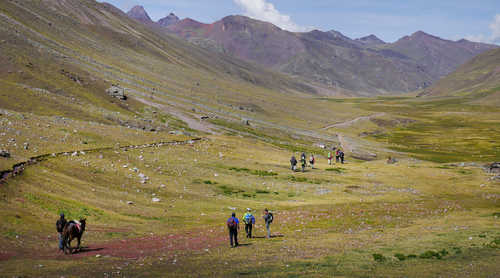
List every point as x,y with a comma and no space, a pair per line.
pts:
117,92
139,13
168,20
494,168
4,153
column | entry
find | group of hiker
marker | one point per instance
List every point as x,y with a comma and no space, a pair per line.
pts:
233,225
339,157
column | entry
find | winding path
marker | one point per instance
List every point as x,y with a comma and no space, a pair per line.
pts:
19,168
353,121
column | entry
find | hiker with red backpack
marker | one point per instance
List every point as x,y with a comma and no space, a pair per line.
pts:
233,224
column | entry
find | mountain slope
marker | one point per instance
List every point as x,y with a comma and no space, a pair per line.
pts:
437,56
329,58
479,78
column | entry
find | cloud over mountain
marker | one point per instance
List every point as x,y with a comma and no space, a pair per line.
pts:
495,33
265,11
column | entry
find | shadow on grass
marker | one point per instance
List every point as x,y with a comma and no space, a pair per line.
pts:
87,249
272,236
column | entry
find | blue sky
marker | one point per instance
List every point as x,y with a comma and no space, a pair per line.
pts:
388,19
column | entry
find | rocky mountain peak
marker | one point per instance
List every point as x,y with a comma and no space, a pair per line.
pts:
139,13
370,40
168,20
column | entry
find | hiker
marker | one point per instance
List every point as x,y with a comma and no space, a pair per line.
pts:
303,161
330,157
60,226
233,224
249,220
268,218
312,160
337,156
341,157
293,162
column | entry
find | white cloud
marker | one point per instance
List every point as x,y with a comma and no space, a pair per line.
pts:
495,33
265,11
495,29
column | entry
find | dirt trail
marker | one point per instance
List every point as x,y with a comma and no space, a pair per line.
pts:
19,168
354,121
198,125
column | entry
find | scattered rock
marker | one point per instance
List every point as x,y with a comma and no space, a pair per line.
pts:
155,200
245,122
495,168
4,153
130,203
391,160
117,92
97,256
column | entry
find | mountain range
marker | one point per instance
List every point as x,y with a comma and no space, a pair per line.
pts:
329,60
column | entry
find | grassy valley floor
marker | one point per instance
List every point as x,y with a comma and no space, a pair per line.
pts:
360,219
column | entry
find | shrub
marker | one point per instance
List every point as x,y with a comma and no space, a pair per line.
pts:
379,258
430,254
400,257
263,173
209,182
258,191
337,170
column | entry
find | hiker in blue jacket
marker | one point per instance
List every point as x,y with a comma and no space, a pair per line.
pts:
233,224
249,220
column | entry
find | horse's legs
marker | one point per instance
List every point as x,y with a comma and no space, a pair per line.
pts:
78,248
67,246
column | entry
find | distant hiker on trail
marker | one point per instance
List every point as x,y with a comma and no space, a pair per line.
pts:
60,226
312,160
249,220
303,162
293,162
233,224
337,156
330,157
268,218
341,154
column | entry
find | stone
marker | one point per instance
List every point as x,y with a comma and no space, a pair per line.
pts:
117,92
155,200
4,153
495,168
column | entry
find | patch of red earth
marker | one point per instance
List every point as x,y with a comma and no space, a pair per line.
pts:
5,255
134,248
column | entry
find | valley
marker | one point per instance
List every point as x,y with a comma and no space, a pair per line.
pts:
156,140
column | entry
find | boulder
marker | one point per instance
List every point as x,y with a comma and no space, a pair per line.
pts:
117,92
4,153
495,168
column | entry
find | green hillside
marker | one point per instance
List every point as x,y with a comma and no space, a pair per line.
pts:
479,79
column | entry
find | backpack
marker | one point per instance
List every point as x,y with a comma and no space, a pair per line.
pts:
271,218
248,218
231,223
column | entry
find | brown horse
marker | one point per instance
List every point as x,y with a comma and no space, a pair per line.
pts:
72,231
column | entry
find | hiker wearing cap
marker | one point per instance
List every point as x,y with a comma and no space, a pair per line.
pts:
233,224
268,218
60,226
249,220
